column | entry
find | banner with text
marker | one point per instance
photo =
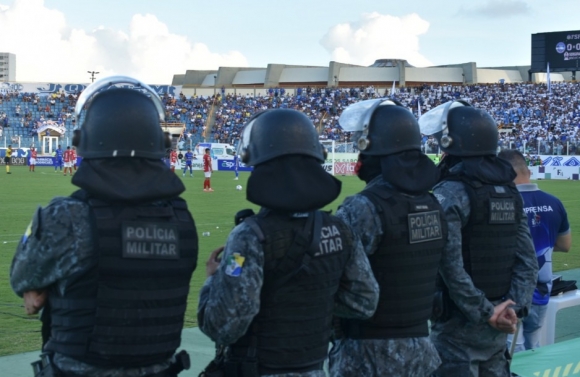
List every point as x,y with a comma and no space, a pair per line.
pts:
228,165
44,89
555,172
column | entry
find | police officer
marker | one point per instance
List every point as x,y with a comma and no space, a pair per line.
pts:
284,272
112,263
489,267
403,231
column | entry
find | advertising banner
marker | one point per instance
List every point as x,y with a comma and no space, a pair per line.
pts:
44,89
555,172
228,165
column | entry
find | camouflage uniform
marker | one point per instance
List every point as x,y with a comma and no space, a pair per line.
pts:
228,304
377,357
467,344
58,244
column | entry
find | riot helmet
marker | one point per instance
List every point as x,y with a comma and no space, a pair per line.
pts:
381,127
279,132
122,119
461,129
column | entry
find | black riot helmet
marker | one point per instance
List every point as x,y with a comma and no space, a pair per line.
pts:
381,127
279,132
122,119
461,129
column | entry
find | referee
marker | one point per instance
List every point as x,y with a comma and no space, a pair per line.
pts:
8,159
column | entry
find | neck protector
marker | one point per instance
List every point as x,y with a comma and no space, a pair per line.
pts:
486,169
128,180
293,183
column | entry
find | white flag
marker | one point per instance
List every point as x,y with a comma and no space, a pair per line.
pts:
393,89
419,108
549,84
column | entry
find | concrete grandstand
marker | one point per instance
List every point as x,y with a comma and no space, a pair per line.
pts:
381,74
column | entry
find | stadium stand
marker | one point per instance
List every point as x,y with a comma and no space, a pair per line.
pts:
530,118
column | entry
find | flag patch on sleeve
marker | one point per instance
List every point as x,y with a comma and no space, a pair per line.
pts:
234,265
27,233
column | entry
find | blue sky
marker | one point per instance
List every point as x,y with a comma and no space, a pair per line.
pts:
59,40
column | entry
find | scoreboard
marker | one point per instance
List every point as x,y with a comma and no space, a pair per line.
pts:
561,49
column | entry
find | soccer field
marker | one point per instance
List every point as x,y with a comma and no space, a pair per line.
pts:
214,212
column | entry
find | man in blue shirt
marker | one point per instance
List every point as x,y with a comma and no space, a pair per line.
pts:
548,222
58,162
189,157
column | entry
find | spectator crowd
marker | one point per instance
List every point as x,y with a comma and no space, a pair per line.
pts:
530,118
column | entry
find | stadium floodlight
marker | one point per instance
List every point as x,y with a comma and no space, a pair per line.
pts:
93,73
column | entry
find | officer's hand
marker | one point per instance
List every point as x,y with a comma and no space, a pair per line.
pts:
34,301
507,321
213,262
497,313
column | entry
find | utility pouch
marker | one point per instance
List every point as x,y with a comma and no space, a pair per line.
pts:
44,367
441,306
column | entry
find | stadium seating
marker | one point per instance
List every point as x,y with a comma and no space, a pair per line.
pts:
531,119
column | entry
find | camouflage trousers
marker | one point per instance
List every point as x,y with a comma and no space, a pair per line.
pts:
404,357
469,349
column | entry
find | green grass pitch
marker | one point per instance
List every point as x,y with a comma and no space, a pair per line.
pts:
23,191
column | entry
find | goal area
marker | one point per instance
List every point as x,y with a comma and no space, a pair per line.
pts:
341,157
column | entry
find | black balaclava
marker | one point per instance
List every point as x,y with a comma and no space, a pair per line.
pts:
127,180
292,183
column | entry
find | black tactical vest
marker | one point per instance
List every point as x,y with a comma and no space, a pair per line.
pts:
302,272
405,265
489,239
129,309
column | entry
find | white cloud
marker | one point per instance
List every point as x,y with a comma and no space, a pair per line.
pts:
52,51
377,36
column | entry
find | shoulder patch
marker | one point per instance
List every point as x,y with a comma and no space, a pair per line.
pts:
234,265
27,233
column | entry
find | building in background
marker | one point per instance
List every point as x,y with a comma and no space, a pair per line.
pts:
7,67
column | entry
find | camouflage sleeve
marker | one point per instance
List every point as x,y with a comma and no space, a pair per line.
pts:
362,216
56,244
230,298
470,300
358,293
525,270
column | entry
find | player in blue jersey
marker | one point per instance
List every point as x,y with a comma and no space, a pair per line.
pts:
236,164
58,161
548,222
189,157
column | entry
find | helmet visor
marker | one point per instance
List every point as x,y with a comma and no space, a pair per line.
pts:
114,81
245,139
354,117
435,120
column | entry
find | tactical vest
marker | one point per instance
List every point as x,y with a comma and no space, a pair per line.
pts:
302,271
129,309
489,239
405,265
